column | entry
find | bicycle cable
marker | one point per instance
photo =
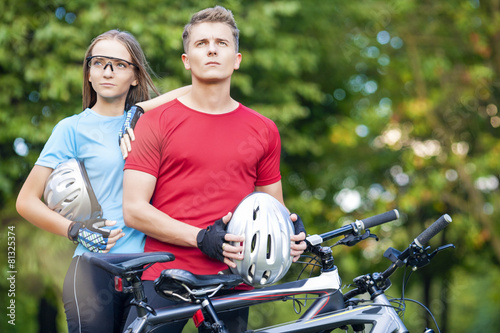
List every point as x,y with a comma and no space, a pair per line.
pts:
427,310
310,263
405,283
314,263
398,301
403,289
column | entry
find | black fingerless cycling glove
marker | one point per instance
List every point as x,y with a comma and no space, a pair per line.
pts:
298,225
210,240
90,234
131,119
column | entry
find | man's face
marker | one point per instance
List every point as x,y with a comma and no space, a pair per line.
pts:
211,55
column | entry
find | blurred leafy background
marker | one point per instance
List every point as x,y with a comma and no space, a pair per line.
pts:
380,104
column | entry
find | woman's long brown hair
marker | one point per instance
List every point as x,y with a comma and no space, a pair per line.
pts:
136,94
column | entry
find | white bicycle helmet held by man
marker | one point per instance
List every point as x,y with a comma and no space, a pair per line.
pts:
266,225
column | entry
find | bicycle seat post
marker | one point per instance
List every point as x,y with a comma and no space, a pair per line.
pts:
138,289
140,300
216,324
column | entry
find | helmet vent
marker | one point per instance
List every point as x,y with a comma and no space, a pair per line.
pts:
265,277
251,271
255,210
253,243
71,197
269,247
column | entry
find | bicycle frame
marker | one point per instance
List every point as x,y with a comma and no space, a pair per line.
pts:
326,312
329,310
379,314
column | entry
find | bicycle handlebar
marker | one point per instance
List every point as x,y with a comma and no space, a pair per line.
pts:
419,241
433,230
380,218
353,228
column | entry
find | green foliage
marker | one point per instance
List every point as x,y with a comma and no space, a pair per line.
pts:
380,105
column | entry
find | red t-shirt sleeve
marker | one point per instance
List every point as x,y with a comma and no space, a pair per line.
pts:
146,155
268,171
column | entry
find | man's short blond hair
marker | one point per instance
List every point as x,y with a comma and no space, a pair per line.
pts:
216,14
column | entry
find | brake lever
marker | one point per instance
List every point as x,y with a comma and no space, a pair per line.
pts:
439,249
419,257
351,240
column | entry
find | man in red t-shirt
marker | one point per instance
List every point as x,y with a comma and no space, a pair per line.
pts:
196,158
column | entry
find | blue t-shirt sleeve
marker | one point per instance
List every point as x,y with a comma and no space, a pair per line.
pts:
61,144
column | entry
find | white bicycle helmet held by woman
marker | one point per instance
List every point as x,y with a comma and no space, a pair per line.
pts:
68,192
267,228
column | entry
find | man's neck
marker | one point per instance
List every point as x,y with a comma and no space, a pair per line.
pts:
210,98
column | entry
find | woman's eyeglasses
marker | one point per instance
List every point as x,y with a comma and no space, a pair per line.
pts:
102,62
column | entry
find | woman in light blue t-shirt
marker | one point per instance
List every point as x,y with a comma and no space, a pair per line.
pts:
116,77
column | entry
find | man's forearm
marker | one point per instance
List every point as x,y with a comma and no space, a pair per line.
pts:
154,223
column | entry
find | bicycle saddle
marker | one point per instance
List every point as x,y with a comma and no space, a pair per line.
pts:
120,264
175,284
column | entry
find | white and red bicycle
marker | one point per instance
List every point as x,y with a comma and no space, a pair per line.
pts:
330,308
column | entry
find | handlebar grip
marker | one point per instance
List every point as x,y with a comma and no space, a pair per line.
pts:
380,218
433,230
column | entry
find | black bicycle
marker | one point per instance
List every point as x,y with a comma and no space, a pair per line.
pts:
330,308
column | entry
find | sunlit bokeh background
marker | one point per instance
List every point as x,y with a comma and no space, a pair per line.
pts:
380,105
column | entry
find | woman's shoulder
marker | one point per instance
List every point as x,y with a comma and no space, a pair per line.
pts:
75,117
86,115
69,120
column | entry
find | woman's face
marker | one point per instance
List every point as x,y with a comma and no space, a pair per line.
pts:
111,71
